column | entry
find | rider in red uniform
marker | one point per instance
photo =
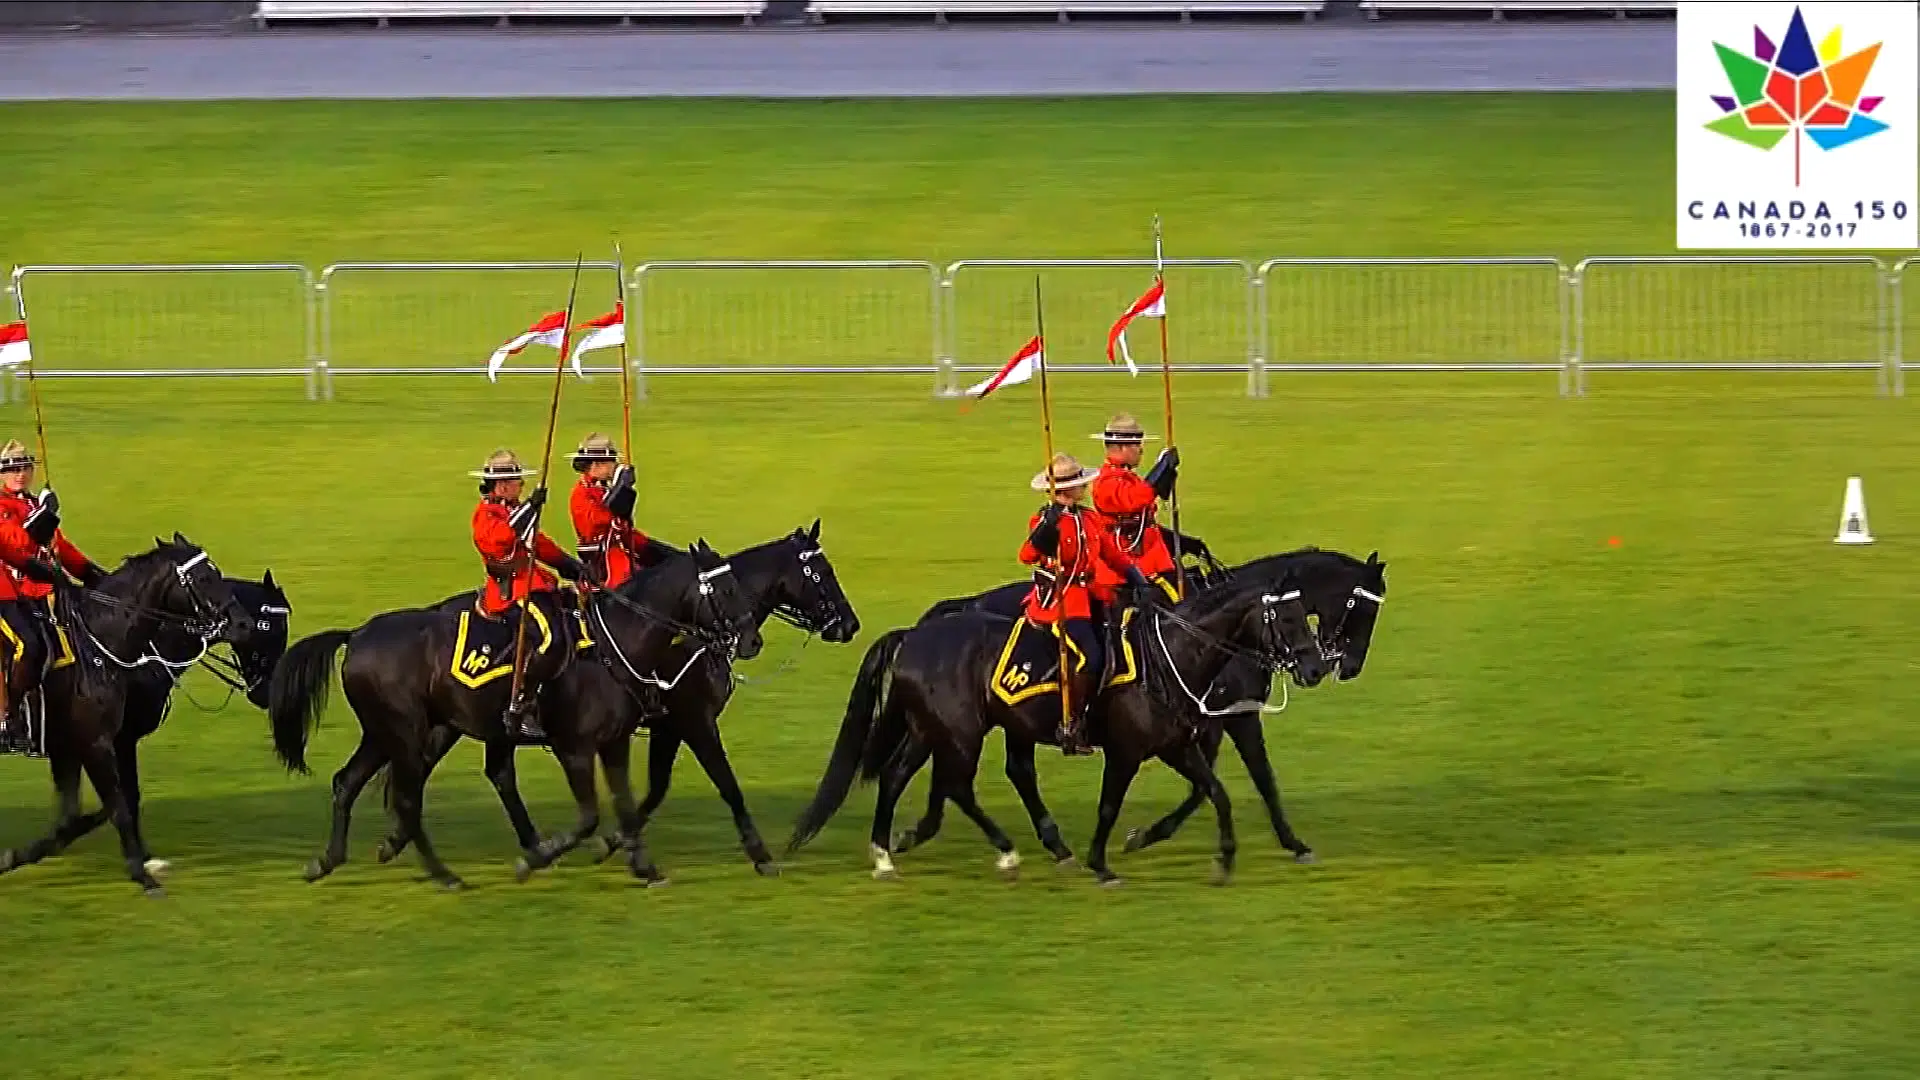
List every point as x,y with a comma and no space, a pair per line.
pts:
502,526
1127,501
1068,545
35,555
602,508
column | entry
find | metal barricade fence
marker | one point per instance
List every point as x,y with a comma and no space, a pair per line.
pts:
1902,309
227,319
1612,313
432,318
1750,313
990,313
784,318
1489,314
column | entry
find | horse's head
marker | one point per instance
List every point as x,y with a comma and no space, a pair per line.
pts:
269,616
178,579
720,604
807,593
1345,637
1276,626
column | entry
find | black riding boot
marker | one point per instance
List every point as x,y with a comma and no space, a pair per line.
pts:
523,717
1082,685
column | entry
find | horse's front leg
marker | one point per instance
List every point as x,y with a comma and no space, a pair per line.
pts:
506,783
1191,763
1116,777
707,748
1167,826
1250,739
1026,781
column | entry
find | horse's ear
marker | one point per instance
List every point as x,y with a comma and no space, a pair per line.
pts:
267,578
814,533
181,540
1373,559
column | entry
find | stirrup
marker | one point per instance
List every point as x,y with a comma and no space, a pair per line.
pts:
522,719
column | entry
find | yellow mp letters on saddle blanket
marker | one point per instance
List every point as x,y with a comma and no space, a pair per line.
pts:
481,664
1014,680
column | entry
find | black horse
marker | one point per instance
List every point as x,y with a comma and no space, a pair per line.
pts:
1342,593
790,579
150,690
115,656
409,673
942,701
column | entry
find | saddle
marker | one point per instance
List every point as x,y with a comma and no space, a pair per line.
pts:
483,645
1029,661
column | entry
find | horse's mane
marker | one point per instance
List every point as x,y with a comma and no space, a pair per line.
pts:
762,548
1206,602
163,550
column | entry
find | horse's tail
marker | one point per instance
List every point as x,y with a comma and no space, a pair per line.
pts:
298,694
855,745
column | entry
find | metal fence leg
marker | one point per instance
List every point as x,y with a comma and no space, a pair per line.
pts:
1896,331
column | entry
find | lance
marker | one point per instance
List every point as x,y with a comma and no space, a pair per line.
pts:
39,420
1166,389
546,459
1061,572
626,369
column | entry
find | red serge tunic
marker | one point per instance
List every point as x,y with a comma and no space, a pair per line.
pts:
17,548
1086,549
601,530
1128,502
506,557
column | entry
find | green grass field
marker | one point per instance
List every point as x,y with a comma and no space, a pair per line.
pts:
1552,812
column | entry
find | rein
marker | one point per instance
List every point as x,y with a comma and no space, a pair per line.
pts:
809,623
1213,641
709,639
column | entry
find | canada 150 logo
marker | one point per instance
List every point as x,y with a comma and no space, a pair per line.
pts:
1809,88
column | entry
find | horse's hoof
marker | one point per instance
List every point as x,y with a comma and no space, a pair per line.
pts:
315,870
659,881
1222,874
522,869
158,867
1111,881
386,852
9,859
768,868
1305,858
1065,862
154,891
885,873
601,850
903,841
453,884
1009,865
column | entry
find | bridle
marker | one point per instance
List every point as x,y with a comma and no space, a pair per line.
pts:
233,671
206,623
717,646
1337,634
826,613
1273,656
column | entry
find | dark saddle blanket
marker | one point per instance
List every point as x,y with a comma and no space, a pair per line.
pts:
483,648
1029,660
